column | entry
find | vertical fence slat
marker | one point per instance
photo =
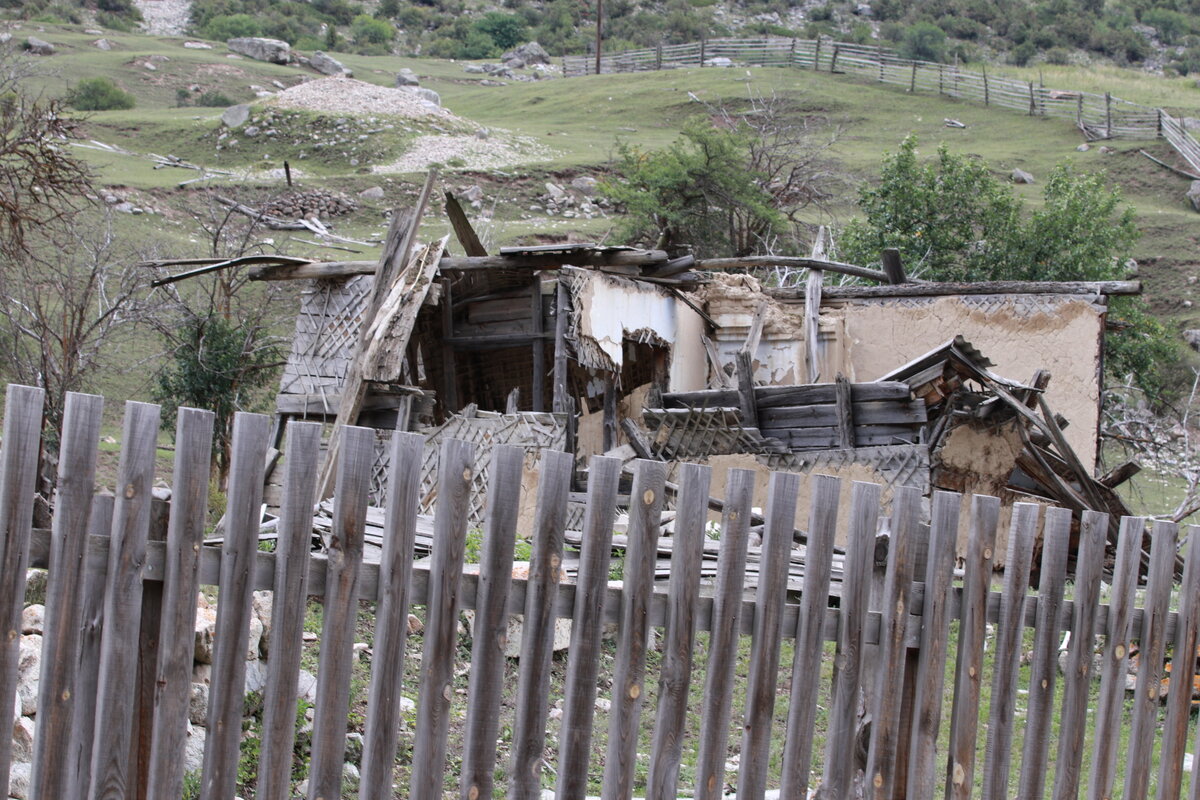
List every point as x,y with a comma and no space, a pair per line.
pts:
288,606
680,635
1056,535
340,612
83,718
810,644
1077,676
537,628
176,638
441,619
769,601
1107,722
998,755
1152,645
583,666
847,665
897,588
122,604
18,471
251,438
64,592
1183,671
645,517
935,633
491,623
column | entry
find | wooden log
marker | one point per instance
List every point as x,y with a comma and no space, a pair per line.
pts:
537,629
64,592
806,662
935,634
1077,675
251,438
463,231
746,398
1044,670
180,583
947,289
18,471
633,632
609,419
538,346
111,776
768,621
289,602
441,624
796,262
844,411
670,725
561,317
892,266
1107,721
583,667
1183,672
813,347
1152,645
1001,722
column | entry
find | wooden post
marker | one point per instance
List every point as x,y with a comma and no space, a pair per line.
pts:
287,173
912,84
817,54
892,266
147,661
599,31
792,52
1032,102
610,412
658,55
987,97
449,369
1108,115
562,301
879,59
941,79
745,379
538,401
845,413
833,61
702,52
1079,110
812,309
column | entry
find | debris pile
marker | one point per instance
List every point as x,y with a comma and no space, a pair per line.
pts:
312,203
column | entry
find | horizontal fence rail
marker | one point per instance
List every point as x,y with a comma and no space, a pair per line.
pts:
1099,116
704,692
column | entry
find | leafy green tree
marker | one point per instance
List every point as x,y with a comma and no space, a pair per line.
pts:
99,94
924,42
372,32
505,30
231,26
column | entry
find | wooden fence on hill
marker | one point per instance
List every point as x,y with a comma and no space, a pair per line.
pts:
1098,115
893,643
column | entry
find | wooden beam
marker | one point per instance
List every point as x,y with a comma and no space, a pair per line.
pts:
798,262
1115,477
562,300
538,346
845,412
745,381
344,269
610,413
947,289
813,287
892,266
462,227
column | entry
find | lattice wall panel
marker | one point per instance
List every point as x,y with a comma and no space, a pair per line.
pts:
327,330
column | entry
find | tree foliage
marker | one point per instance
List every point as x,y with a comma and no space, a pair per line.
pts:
99,94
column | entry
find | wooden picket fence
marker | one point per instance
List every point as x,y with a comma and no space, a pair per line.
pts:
1100,115
894,647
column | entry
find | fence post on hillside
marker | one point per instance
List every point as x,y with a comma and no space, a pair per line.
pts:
1079,110
941,79
792,53
1159,123
879,57
702,52
658,55
912,83
987,97
817,54
833,62
1108,115
1032,102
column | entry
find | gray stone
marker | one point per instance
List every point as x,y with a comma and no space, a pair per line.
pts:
1083,148
482,134
197,45
1021,176
22,739
206,630
38,47
515,63
406,77
428,95
236,116
473,69
33,618
261,603
328,65
103,44
306,688
250,132
528,53
584,184
193,757
1192,337
198,704
256,676
29,673
260,49
1193,194
719,61
374,193
20,776
556,192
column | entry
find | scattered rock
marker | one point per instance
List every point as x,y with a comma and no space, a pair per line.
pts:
197,45
93,31
1193,194
250,131
1083,148
428,95
350,774
38,47
236,116
473,69
193,757
260,49
20,777
1021,176
374,193
328,65
206,629
102,44
1105,149
406,77
719,61
198,704
472,194
585,185
415,625
256,676
306,688
528,53
29,673
1192,337
320,203
22,739
1187,303
33,619
261,603
556,192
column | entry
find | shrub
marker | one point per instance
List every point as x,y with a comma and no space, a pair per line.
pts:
505,30
1059,56
368,30
924,42
1023,53
821,13
99,94
214,98
231,26
1172,26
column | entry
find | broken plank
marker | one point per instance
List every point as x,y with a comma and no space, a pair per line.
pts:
845,412
796,395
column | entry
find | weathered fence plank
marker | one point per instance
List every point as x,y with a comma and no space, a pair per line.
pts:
64,593
177,638
251,438
340,613
110,774
1183,671
583,667
441,620
537,627
18,474
489,638
289,602
680,634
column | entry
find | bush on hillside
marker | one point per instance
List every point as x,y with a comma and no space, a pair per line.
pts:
372,33
505,30
232,26
99,94
924,42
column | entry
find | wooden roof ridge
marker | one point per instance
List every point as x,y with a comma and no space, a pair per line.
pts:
960,288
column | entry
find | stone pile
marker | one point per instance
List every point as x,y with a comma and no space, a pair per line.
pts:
577,199
320,203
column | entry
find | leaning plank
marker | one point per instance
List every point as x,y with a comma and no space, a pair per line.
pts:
491,623
882,758
176,637
587,620
935,633
1152,645
340,613
122,604
64,592
251,438
537,632
441,622
1077,675
1116,654
634,630
1044,670
680,635
1001,723
723,643
18,471
806,663
289,603
1183,672
768,633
